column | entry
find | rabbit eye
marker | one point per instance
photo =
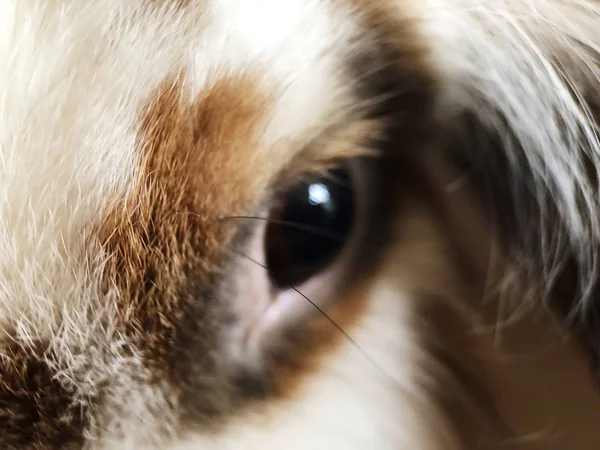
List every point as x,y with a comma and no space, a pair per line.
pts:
313,245
309,227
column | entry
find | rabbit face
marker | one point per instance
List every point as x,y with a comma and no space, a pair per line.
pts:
228,224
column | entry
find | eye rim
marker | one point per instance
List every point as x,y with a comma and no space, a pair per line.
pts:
341,182
267,317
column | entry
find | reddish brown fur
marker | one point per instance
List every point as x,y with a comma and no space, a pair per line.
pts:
171,229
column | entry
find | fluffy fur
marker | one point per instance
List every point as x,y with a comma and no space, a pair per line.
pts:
129,129
528,70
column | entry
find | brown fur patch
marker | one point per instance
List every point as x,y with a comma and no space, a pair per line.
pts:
36,411
194,172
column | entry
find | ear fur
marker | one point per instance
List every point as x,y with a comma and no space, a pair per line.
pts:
520,84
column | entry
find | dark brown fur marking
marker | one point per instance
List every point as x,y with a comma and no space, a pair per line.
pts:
36,411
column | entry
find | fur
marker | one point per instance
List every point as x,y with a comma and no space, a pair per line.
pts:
133,133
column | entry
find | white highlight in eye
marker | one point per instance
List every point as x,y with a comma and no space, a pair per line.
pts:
318,194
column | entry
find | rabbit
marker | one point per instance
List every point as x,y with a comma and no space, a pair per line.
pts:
299,224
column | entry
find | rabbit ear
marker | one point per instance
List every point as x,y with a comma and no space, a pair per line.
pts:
523,219
518,92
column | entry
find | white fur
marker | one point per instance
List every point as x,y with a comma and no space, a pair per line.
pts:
296,48
7,19
70,96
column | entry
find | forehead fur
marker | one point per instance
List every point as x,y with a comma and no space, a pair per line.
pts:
197,169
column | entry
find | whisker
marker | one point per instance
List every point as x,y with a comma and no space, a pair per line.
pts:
299,226
363,238
330,320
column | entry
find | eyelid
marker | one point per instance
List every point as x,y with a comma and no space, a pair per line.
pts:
268,312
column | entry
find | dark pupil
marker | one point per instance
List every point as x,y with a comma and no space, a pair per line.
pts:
310,228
